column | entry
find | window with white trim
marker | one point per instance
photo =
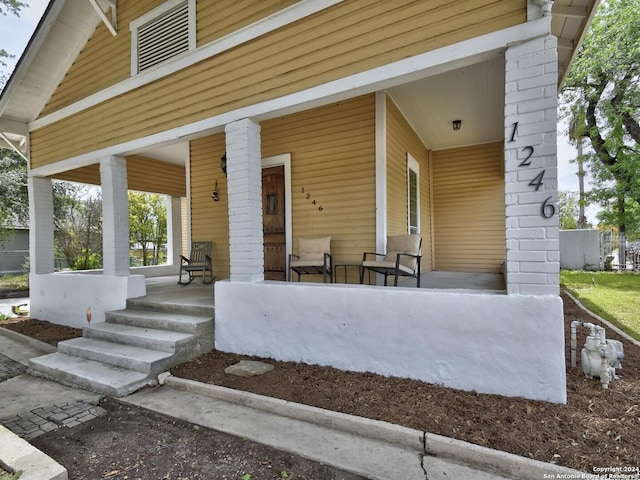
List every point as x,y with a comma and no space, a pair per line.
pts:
162,33
413,194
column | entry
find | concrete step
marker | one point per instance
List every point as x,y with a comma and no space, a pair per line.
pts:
149,304
151,338
174,321
90,375
131,357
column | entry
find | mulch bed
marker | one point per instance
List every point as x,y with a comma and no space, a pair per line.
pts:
596,429
42,330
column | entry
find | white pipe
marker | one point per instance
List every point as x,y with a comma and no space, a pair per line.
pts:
605,377
574,341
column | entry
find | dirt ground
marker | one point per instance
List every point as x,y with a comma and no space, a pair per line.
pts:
596,428
137,444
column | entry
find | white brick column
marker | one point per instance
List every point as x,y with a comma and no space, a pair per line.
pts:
174,230
40,225
531,177
244,187
115,216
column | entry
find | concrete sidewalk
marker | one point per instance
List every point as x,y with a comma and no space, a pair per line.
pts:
32,406
7,303
376,450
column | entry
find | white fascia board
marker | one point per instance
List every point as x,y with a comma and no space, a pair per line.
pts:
284,17
33,47
409,69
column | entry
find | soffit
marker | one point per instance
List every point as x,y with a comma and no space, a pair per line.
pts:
569,21
60,36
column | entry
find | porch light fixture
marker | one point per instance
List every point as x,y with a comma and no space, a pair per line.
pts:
214,194
457,124
223,163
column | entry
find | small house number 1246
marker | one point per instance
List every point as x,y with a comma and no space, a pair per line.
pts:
547,210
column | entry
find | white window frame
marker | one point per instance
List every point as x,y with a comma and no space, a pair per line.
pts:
153,14
413,166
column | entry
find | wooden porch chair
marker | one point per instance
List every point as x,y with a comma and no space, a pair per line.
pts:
402,259
314,257
199,261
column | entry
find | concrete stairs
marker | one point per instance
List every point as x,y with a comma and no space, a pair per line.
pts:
129,350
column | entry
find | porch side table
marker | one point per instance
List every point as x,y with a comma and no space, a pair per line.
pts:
345,266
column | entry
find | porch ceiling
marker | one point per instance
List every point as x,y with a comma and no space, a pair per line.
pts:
473,94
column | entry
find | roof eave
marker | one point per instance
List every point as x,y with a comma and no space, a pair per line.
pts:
35,42
578,44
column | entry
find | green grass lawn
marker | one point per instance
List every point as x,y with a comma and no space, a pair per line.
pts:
615,296
10,283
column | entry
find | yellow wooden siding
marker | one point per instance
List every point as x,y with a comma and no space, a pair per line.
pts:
345,39
469,209
106,60
332,157
222,17
401,138
143,174
209,219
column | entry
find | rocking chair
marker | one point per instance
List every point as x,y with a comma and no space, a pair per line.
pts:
199,261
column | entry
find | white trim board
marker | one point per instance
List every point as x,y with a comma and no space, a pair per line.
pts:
413,165
284,17
381,172
409,69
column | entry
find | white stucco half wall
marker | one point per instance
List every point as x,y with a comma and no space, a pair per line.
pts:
63,298
510,345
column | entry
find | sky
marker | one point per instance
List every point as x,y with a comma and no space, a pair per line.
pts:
16,31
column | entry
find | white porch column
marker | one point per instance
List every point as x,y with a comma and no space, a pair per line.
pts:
174,229
40,225
531,177
115,216
244,188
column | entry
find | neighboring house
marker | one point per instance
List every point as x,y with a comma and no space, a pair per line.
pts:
348,107
14,250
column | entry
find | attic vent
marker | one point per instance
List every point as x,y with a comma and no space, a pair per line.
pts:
161,34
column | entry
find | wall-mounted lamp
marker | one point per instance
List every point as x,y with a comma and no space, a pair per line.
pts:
223,163
457,124
214,194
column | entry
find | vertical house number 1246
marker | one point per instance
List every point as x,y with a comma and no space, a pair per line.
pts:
547,210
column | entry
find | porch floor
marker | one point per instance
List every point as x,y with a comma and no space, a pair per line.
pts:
165,290
467,281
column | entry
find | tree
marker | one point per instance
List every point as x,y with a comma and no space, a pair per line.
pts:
147,224
78,232
14,196
14,7
568,210
602,92
14,203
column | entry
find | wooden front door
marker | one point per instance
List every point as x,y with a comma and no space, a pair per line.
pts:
273,221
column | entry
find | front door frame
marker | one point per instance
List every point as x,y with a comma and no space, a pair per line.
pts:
276,161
